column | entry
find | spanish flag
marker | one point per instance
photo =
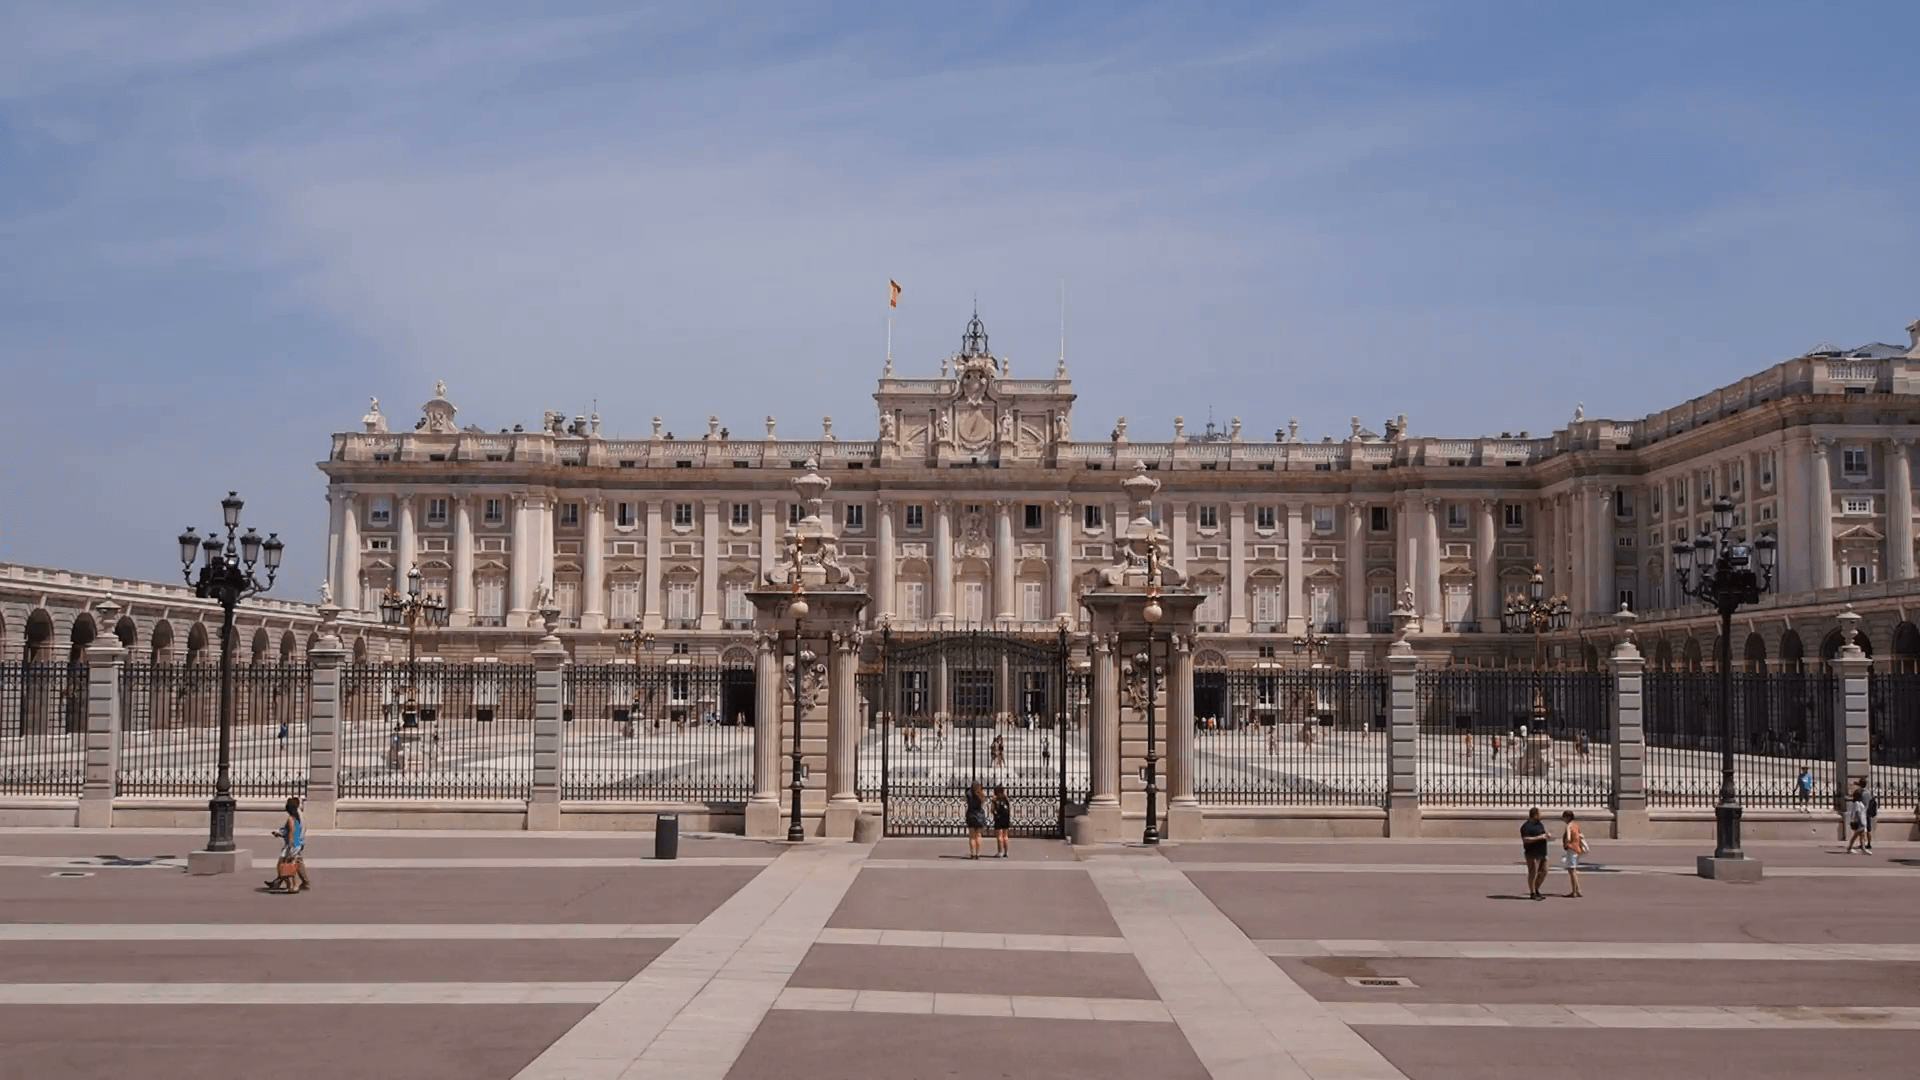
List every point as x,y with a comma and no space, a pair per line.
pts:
893,293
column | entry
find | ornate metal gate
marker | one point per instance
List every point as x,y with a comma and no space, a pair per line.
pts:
956,709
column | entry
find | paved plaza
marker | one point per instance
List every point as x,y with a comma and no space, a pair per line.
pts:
578,956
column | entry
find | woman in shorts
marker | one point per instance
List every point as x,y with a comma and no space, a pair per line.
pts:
1573,844
976,818
1002,819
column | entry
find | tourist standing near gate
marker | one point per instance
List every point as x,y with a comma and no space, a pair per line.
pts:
1002,818
1856,816
1533,843
1573,844
976,818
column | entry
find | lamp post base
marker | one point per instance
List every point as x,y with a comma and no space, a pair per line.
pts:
1741,871
218,862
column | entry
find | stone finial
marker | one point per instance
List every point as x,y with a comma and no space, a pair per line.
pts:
105,614
1579,412
1234,432
770,433
1060,369
1179,428
1120,430
1293,429
826,424
1849,631
659,427
887,372
1626,618
812,487
1354,423
713,427
943,368
329,626
550,618
1141,488
593,424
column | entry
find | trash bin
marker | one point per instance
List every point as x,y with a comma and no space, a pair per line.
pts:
666,836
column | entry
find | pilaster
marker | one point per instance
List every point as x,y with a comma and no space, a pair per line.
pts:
843,735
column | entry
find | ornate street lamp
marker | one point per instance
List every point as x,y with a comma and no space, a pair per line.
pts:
1313,644
227,576
625,644
797,607
411,611
1152,613
1732,574
1538,613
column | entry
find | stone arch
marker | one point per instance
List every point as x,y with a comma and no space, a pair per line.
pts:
360,649
81,635
127,631
38,648
1792,652
1906,647
1754,655
1663,655
1589,656
258,653
735,657
288,645
1690,656
197,643
161,643
1831,644
1210,660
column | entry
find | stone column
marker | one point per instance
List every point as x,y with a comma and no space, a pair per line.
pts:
406,551
1600,551
652,605
1063,560
710,564
1403,737
1629,742
1181,511
1900,508
1184,820
1356,568
1486,580
843,735
1432,613
104,658
1545,552
336,515
593,606
769,535
1296,588
462,598
1852,756
520,564
1406,570
549,675
1003,601
324,708
763,808
1820,506
943,559
346,586
884,563
1103,743
1237,621
1576,534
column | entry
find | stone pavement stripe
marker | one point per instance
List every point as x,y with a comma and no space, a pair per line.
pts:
1052,1008
426,993
1241,1014
1589,950
957,939
1885,1018
59,862
690,1013
1403,869
334,931
973,865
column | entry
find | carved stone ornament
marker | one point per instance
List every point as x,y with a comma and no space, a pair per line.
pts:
376,424
1133,680
436,416
813,677
974,543
812,552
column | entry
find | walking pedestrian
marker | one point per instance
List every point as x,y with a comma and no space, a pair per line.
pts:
998,750
1803,790
1533,843
1573,844
1870,807
1580,742
1002,818
1856,817
1496,749
976,818
292,863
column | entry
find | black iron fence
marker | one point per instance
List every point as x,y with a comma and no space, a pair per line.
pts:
654,731
170,729
1893,722
1512,738
43,723
1300,737
436,730
1782,725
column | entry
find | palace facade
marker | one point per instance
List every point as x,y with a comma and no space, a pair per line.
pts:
980,506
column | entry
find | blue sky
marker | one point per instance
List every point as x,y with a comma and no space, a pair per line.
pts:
223,226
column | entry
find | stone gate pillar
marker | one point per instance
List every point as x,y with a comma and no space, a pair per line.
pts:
809,604
324,704
1629,737
549,703
1403,727
1184,820
1852,756
1103,745
104,658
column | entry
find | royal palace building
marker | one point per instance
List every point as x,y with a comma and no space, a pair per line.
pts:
979,504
